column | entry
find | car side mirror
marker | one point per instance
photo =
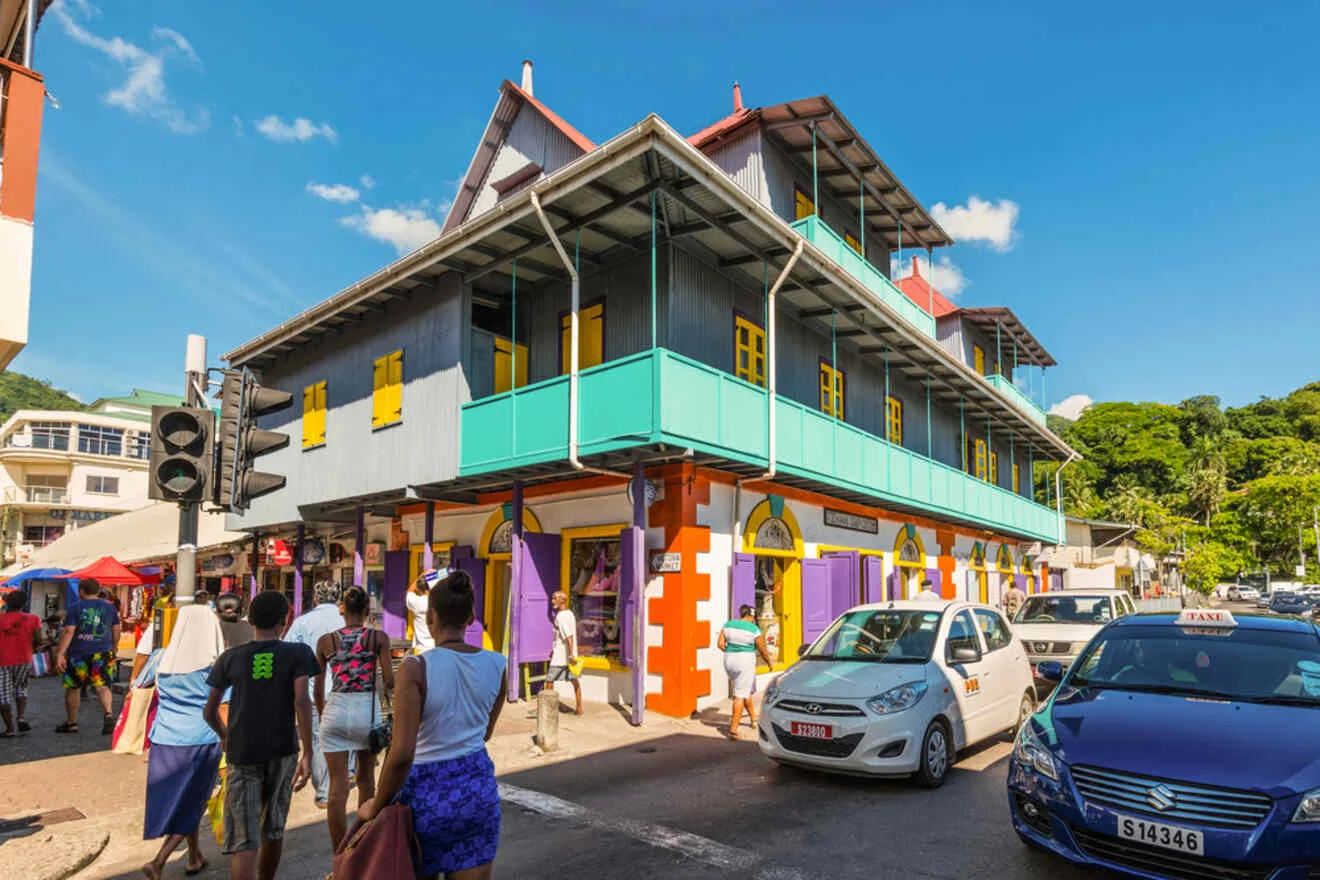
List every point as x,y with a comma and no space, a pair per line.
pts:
964,654
1050,670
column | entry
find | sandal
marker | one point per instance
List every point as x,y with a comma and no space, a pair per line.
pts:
66,727
193,872
24,727
107,725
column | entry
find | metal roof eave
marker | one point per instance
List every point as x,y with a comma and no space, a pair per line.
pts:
988,316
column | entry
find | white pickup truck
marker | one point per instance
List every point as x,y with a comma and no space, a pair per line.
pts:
1058,625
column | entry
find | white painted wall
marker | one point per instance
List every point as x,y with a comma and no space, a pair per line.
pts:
15,286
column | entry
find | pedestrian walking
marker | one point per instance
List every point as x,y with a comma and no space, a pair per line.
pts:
20,636
1013,599
564,655
86,654
742,642
307,630
418,600
185,752
267,739
229,609
350,657
927,592
447,702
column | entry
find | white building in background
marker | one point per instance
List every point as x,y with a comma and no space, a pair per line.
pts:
61,469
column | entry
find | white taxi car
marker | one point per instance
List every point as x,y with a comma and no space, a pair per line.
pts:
1058,625
898,689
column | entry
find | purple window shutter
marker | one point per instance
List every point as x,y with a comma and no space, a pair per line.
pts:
461,551
743,576
936,578
536,578
1020,581
394,594
632,562
476,569
896,584
815,598
845,568
873,580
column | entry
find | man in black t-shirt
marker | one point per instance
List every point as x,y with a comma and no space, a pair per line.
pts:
269,681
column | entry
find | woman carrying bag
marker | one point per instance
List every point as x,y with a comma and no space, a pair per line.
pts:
446,704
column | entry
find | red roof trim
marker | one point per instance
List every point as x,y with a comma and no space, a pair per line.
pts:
577,137
920,291
725,126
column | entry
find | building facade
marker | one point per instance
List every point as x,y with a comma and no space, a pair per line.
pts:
670,376
61,469
22,99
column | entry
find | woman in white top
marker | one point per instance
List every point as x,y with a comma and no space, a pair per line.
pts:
416,601
446,704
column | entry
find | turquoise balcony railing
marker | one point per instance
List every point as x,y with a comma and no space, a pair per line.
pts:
1013,393
820,234
662,397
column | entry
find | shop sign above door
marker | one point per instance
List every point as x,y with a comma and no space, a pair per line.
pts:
841,519
666,563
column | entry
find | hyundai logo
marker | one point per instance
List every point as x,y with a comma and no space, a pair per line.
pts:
1162,798
812,708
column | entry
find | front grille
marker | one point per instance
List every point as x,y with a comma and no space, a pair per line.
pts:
1199,804
1060,648
820,748
1164,862
828,710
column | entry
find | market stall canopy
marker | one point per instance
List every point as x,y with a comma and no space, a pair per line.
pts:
109,572
35,574
148,534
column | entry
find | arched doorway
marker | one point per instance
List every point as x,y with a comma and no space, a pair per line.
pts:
979,586
496,547
1028,572
909,562
774,539
1000,584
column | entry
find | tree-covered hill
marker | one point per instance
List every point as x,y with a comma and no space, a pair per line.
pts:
18,391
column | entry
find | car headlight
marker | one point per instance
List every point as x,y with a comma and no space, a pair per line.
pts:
1309,809
771,693
1031,753
905,696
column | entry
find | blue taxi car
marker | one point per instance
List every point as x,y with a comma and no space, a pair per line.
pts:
1179,746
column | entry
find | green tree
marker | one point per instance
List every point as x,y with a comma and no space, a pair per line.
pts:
1273,509
1136,444
18,391
1208,563
1202,419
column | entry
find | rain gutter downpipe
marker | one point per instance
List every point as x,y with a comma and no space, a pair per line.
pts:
573,347
771,386
30,34
1058,492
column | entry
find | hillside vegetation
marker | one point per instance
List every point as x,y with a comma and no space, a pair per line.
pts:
1233,487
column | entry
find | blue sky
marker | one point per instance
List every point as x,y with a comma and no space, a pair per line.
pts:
1162,167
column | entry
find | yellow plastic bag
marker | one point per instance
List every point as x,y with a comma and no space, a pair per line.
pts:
215,807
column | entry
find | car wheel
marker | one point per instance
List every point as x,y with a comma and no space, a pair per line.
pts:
1025,708
936,756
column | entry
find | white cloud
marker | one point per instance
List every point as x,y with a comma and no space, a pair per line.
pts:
367,181
989,222
300,130
341,193
1071,406
406,228
143,92
239,128
75,396
947,278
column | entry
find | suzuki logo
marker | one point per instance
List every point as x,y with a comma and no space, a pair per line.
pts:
812,708
1162,798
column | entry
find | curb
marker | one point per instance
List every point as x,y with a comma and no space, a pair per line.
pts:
53,856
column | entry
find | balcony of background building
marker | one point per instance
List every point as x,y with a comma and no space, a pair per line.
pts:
44,440
37,495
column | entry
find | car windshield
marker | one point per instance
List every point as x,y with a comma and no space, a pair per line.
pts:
1284,597
1094,610
887,635
1253,665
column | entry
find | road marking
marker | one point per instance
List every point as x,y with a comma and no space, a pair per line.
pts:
694,846
984,759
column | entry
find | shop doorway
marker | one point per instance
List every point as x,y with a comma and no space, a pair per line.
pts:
772,582
980,578
496,548
909,564
1005,576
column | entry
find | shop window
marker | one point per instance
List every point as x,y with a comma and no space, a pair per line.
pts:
773,534
102,485
978,359
591,338
831,390
501,540
803,206
994,468
749,351
992,628
50,435
1017,479
852,242
894,415
387,390
594,573
313,420
95,440
510,365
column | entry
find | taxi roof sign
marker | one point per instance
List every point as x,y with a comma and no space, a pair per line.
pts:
1206,617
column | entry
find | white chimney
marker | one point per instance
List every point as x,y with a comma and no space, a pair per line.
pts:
527,77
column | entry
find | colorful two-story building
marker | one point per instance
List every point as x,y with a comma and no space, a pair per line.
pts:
669,375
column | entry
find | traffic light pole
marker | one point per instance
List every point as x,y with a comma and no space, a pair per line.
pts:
185,566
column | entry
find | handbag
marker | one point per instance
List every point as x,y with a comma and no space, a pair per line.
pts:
378,737
130,737
215,807
382,849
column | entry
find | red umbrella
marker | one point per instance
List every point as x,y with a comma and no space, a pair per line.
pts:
109,572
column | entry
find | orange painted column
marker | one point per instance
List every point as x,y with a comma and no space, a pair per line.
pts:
1044,579
674,660
24,102
948,589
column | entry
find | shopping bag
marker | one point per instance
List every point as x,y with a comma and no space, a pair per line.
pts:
215,807
41,663
130,737
382,849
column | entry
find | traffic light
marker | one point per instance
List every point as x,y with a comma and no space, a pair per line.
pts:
239,440
182,448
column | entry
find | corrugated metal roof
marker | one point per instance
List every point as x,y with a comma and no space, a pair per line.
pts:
1011,330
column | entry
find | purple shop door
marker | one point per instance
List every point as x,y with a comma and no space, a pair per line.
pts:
394,594
845,568
815,599
535,578
873,579
476,569
742,576
896,584
632,561
936,578
1020,581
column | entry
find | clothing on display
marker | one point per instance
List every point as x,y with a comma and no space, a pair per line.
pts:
595,574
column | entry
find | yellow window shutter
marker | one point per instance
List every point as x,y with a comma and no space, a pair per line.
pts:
394,410
309,415
592,346
379,379
978,360
503,367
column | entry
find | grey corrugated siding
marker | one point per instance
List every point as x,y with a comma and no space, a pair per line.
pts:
741,160
782,174
430,329
481,364
530,139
